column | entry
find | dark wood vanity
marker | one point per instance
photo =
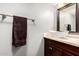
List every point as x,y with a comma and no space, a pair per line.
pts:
56,48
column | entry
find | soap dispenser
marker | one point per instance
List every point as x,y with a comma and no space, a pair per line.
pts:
69,27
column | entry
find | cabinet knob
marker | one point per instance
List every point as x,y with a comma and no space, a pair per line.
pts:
50,48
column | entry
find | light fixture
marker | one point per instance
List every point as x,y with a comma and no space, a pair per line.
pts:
59,5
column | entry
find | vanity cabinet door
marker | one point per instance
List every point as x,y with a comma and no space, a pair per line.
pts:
47,48
48,51
51,49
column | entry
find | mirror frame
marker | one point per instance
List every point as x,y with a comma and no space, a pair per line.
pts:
58,14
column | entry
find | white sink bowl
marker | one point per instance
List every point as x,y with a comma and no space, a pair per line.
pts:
57,34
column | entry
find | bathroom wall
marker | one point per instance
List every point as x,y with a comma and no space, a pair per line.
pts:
5,36
44,15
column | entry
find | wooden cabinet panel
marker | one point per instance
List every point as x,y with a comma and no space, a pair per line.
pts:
48,51
65,53
56,51
48,48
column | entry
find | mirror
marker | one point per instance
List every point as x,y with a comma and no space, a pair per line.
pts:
67,18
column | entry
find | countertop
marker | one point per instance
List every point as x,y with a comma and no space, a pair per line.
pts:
67,40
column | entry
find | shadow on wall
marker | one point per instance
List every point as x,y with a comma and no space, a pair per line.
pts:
19,51
41,49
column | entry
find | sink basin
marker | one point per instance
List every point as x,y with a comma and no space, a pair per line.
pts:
58,34
73,36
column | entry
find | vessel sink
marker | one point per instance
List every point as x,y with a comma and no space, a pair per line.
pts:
58,34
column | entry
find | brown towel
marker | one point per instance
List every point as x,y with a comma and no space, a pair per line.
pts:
19,31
